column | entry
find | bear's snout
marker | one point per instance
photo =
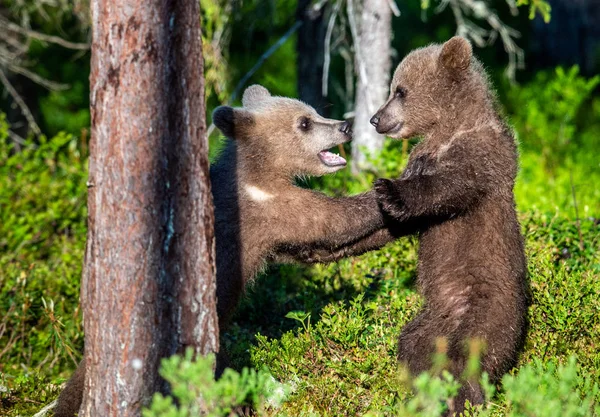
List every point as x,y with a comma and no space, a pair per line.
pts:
346,129
375,120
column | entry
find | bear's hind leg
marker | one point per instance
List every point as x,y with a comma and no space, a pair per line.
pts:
416,344
70,398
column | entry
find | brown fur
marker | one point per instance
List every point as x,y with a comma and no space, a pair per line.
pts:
458,189
267,152
260,215
457,193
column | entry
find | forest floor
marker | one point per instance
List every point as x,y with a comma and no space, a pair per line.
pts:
328,332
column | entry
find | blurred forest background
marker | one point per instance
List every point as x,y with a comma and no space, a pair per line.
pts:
543,58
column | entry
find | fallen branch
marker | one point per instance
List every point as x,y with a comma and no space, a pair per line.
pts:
45,410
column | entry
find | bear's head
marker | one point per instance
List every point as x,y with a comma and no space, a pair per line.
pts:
430,87
284,133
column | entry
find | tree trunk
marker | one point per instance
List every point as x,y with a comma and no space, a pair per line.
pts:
310,46
373,77
149,278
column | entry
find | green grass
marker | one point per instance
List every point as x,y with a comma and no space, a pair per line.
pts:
327,332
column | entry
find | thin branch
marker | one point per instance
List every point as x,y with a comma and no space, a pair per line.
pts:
263,58
19,100
20,47
20,141
394,8
45,410
349,78
9,56
483,37
362,72
50,85
512,5
327,49
316,8
43,37
257,66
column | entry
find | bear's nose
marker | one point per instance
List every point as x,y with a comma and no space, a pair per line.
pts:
345,128
375,120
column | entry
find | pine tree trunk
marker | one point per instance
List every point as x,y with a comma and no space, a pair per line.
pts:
149,276
373,77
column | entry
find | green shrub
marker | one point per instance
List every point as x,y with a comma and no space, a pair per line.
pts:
544,112
42,235
551,390
197,393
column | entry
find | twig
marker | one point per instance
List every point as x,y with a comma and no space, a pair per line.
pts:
20,141
316,8
362,72
50,85
394,8
257,66
19,100
42,37
578,221
513,7
21,47
45,410
482,37
349,78
327,51
263,58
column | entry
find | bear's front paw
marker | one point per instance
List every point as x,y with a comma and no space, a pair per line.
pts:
389,199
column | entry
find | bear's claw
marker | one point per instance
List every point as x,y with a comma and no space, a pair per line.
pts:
389,199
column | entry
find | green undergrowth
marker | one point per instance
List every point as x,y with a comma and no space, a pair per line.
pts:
321,340
42,236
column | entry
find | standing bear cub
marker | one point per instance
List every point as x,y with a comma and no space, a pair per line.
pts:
458,189
261,216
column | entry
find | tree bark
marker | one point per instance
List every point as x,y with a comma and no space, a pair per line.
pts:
149,278
373,77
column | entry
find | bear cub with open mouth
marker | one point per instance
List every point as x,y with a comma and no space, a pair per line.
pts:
261,216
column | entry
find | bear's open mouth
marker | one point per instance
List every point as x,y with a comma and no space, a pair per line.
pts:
331,159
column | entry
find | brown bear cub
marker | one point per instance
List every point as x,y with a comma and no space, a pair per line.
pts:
458,189
261,216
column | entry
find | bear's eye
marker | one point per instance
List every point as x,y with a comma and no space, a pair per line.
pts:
305,124
400,92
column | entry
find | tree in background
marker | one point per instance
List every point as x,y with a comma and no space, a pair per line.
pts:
370,24
238,42
372,52
149,278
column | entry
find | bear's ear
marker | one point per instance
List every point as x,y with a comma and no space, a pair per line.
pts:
233,123
254,95
456,54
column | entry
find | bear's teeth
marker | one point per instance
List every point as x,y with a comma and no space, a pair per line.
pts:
331,159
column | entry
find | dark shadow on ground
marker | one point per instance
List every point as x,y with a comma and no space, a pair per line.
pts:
286,288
